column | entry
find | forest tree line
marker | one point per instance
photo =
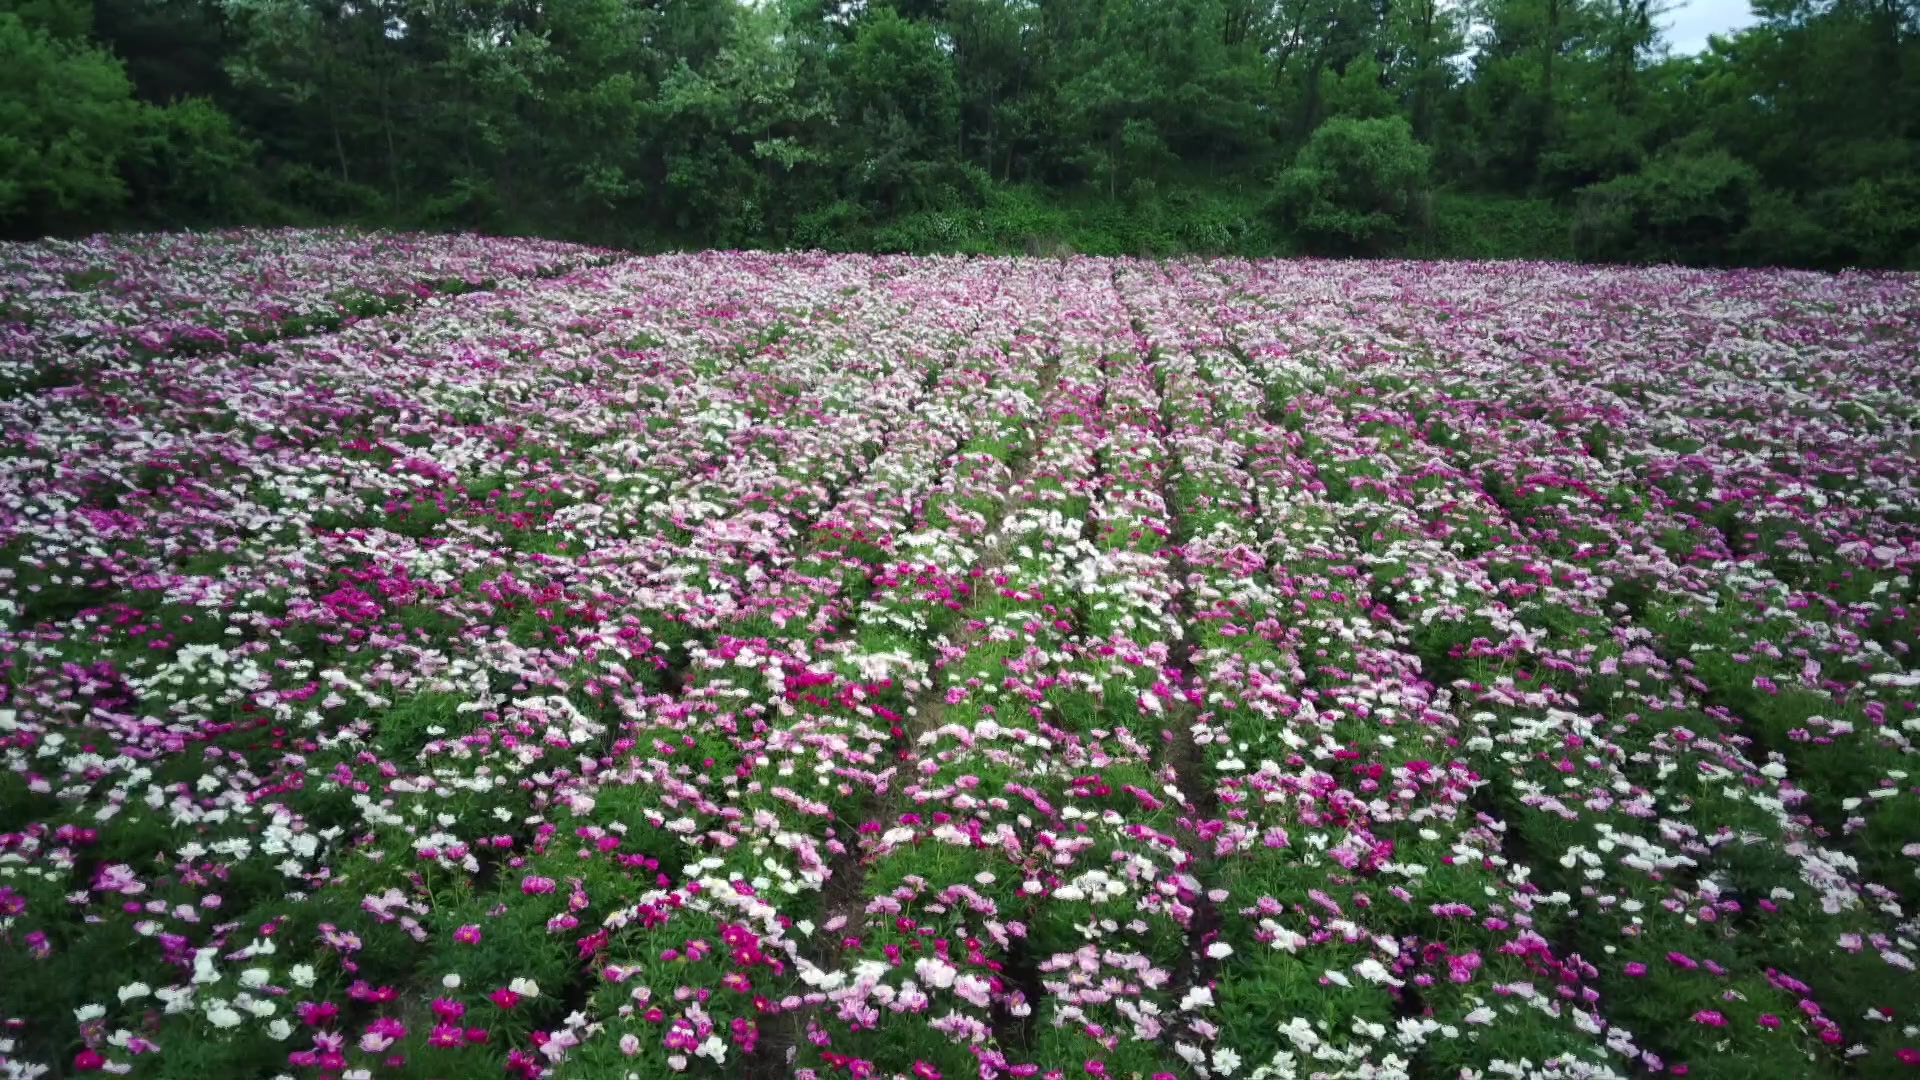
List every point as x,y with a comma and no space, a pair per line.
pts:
1558,128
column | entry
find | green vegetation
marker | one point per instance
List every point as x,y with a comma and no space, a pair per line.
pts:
1486,128
1355,186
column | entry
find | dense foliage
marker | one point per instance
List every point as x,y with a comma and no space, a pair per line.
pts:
979,125
430,657
1355,185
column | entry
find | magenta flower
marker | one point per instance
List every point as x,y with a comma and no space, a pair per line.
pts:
1245,582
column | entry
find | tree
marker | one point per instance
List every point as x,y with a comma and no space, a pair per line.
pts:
740,133
68,121
1355,187
1425,38
993,71
1686,206
692,122
191,166
1357,92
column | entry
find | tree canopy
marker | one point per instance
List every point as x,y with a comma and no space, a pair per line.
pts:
1427,126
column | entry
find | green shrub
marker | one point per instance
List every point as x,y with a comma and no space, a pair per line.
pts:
926,232
1879,221
1022,220
1355,187
470,202
1685,206
1781,232
320,194
836,226
1496,227
68,121
194,167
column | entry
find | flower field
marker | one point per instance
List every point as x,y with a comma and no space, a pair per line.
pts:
436,657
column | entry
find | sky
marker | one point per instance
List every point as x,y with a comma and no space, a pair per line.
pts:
1690,21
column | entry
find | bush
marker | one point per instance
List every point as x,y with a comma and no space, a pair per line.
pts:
1027,221
321,195
1781,232
1879,221
470,203
1685,206
1355,187
1497,227
837,226
927,232
1024,221
68,121
193,167
1870,222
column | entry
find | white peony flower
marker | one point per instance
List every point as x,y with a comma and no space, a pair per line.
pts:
1197,998
935,972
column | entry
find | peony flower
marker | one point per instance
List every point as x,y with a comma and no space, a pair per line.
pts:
446,1037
